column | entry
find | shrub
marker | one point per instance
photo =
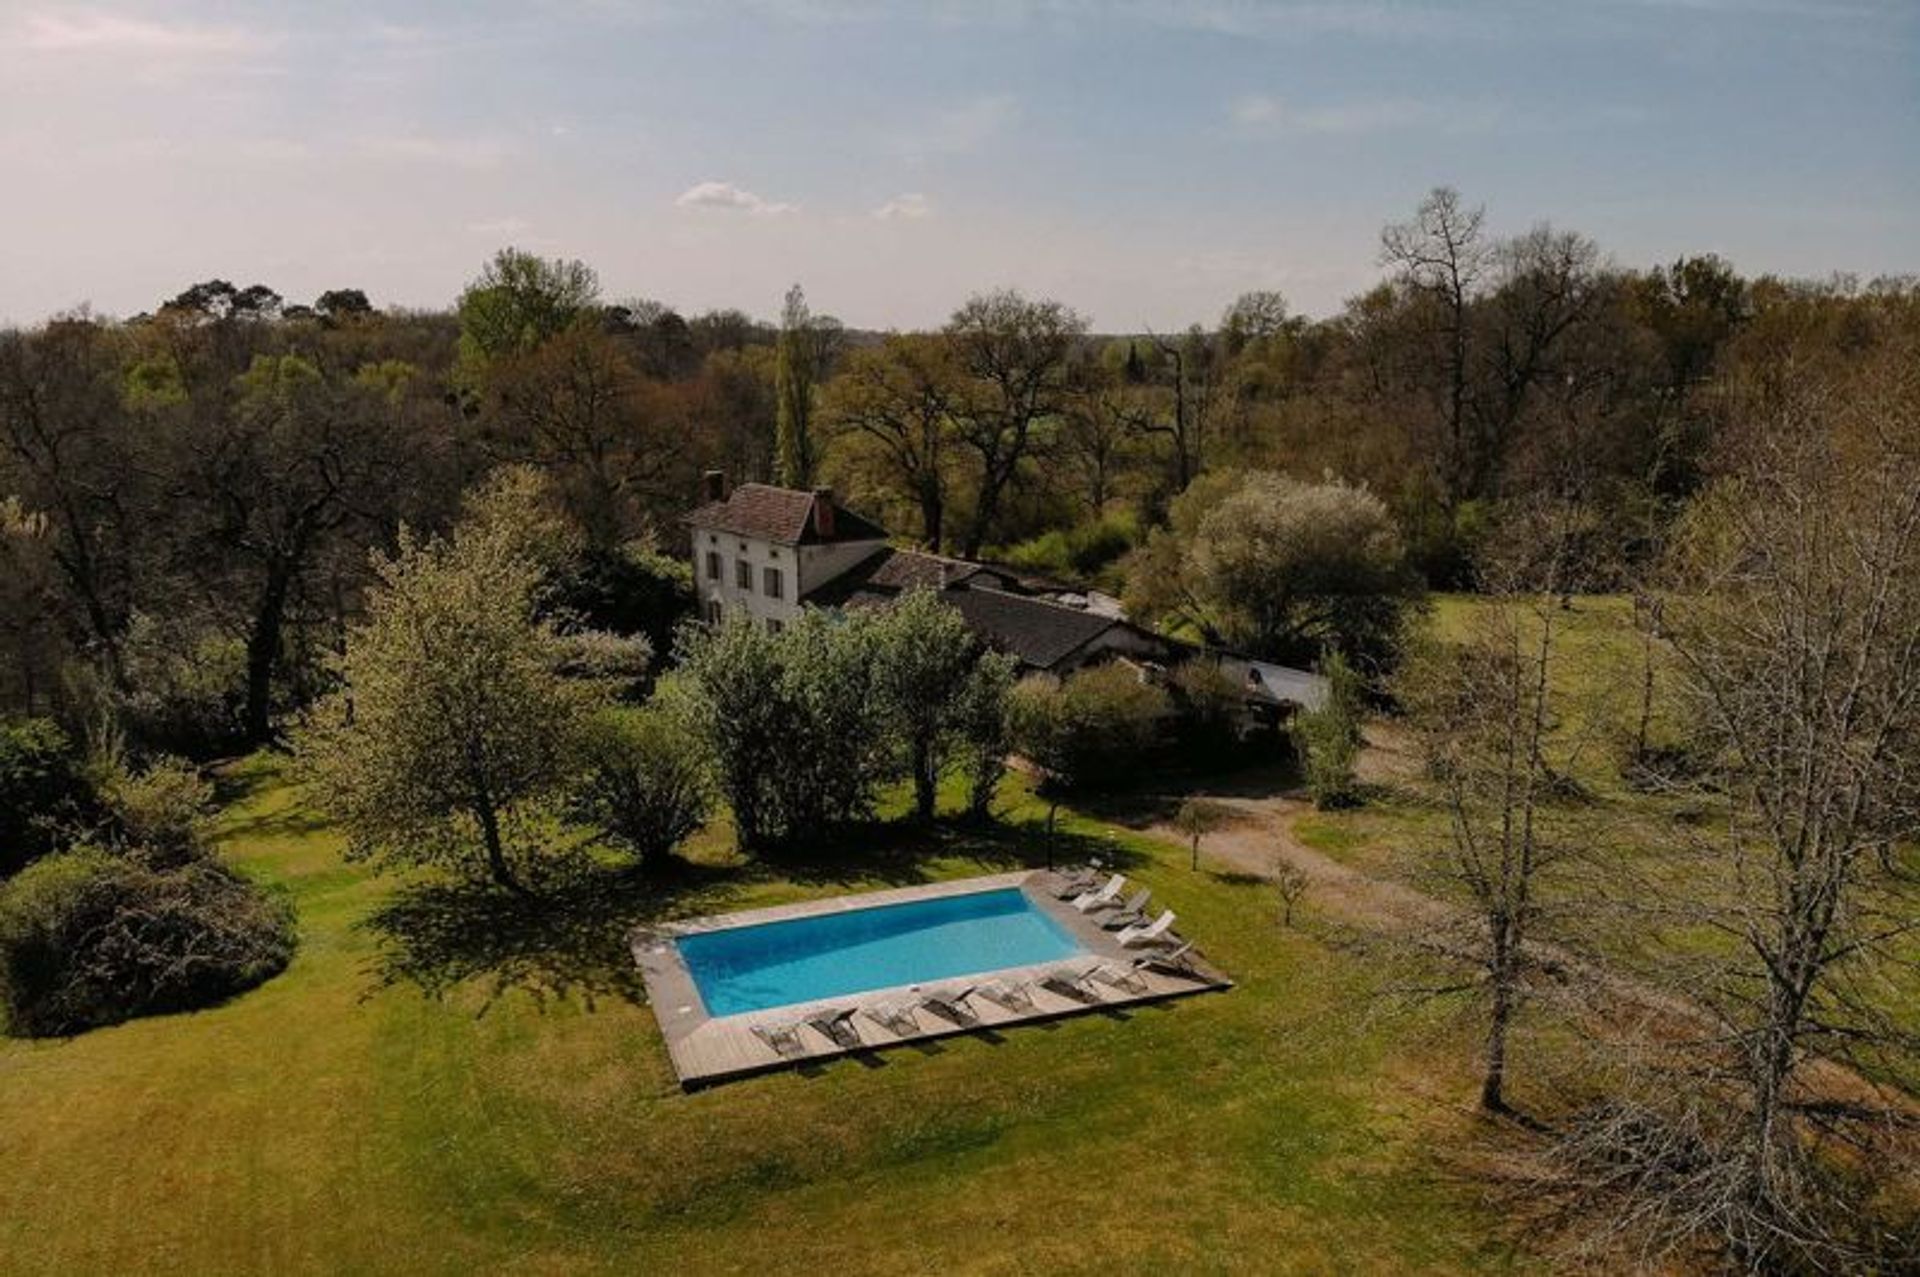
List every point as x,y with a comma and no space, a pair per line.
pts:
1091,730
162,811
632,590
1079,552
805,725
794,721
1280,568
1210,702
43,787
924,658
1328,739
646,783
981,728
88,938
186,687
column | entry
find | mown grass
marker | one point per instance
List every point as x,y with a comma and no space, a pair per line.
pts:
518,1113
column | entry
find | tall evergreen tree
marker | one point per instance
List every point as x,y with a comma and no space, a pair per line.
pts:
794,376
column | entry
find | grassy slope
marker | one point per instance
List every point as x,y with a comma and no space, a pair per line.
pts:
329,1122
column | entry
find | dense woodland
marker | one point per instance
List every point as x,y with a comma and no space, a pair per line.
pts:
191,495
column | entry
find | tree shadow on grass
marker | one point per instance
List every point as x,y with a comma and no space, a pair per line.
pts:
293,821
569,938
900,853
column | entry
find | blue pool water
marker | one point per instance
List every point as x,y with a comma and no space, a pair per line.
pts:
803,959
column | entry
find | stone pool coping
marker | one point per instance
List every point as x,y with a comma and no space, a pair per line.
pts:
706,1049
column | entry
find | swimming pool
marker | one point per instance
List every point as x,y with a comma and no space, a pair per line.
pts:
770,964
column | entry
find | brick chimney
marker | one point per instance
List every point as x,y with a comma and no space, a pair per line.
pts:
823,512
713,485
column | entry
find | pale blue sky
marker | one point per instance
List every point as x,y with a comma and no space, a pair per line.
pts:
1144,161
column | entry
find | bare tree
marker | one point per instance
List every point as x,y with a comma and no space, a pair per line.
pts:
1495,735
1013,353
1794,623
62,450
1190,393
1098,431
1442,255
1292,883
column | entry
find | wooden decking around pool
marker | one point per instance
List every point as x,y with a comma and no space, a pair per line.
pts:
707,1049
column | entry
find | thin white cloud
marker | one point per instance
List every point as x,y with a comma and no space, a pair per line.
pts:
499,226
99,32
908,207
1261,113
725,195
959,129
477,153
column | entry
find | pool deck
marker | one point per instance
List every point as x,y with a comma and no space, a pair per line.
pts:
707,1049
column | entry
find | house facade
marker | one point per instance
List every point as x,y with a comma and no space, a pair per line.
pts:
760,550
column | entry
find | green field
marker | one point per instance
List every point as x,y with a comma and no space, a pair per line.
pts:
451,1091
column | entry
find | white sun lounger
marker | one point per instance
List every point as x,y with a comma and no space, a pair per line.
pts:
1152,933
1074,980
782,1038
1125,978
1177,961
950,1004
895,1017
1013,997
1105,898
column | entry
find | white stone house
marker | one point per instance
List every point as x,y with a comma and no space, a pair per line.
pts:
760,549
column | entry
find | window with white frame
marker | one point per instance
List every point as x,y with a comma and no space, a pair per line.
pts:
771,584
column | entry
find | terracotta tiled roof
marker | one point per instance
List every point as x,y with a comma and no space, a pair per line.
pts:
780,514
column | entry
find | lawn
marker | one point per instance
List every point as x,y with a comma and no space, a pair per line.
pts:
438,1085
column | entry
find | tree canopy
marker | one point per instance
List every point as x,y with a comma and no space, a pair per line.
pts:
1279,567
